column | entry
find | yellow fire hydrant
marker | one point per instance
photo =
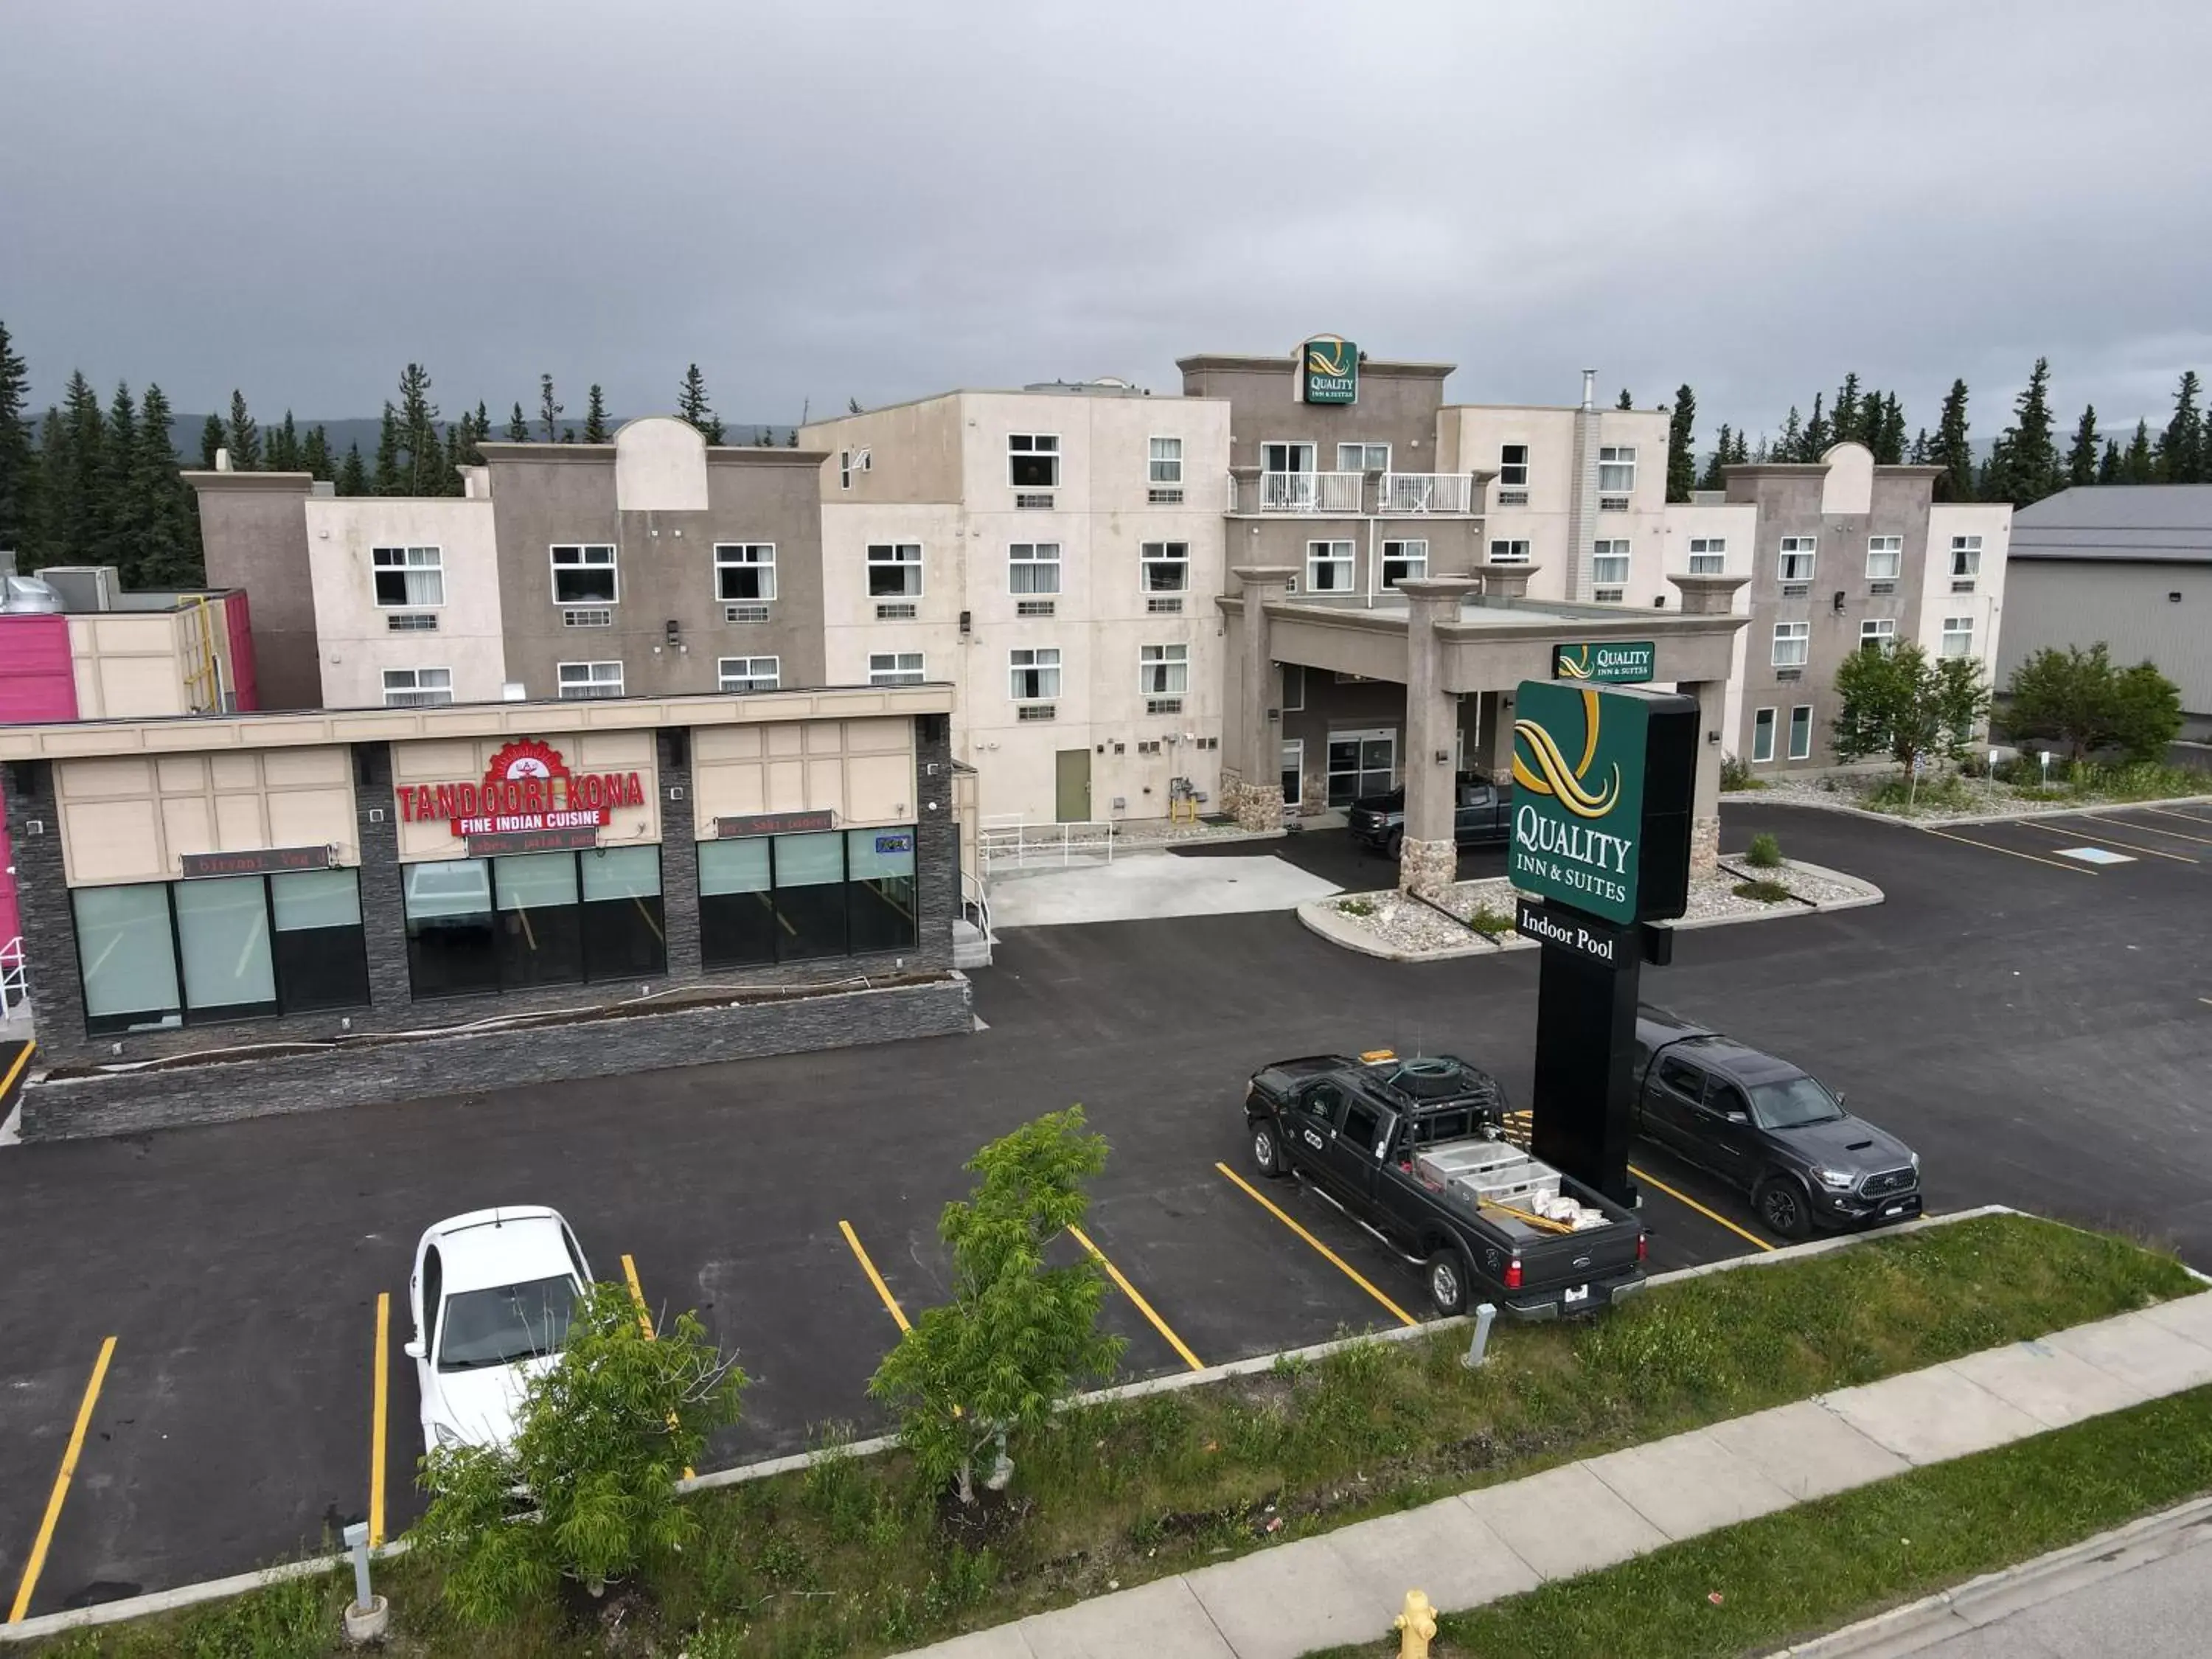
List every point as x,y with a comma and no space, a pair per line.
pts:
1416,1626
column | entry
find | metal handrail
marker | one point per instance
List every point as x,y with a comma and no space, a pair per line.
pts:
1021,843
15,976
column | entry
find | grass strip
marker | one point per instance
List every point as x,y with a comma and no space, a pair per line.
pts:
854,1558
1788,1577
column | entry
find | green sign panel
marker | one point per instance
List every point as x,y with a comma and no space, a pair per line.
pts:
1329,372
1604,662
1579,796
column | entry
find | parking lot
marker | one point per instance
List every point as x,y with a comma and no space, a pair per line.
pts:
2036,1024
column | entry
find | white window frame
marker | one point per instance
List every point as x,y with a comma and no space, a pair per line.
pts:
1163,470
1364,465
1417,564
1877,633
1507,468
1041,560
1797,633
746,556
1889,548
1966,557
1037,665
1801,752
1164,671
1516,550
1026,445
749,674
611,564
407,565
1330,556
406,684
1791,548
1620,460
1762,732
1708,555
578,688
889,668
896,559
1163,559
1960,629
1617,549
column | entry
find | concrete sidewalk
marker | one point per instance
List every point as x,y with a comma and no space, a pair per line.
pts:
1344,1586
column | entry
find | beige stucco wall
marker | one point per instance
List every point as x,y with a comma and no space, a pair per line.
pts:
129,819
464,760
660,466
142,665
861,770
354,643
1992,522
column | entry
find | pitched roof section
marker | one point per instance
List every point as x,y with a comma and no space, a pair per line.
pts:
2161,524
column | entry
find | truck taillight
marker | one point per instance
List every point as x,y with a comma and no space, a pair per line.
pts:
1642,1247
1513,1274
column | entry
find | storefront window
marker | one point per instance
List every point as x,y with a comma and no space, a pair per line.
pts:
622,934
541,936
879,889
129,959
222,940
450,940
809,896
736,911
321,959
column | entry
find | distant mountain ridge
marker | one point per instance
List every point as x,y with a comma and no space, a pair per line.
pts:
185,433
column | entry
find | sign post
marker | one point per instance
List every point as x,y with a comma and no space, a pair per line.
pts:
1603,786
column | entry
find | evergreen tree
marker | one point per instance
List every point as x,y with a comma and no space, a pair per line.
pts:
548,411
2081,455
691,403
353,477
595,417
423,472
1790,440
17,478
1681,437
1920,447
2181,447
2024,465
284,447
1848,415
163,508
1723,454
1624,401
1817,435
1952,451
388,479
2108,469
117,543
212,438
1742,456
315,453
242,436
44,531
518,429
1764,453
791,439
2138,466
79,482
1889,440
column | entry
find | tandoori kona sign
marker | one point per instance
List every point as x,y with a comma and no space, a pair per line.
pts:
1604,662
527,789
1328,371
1601,806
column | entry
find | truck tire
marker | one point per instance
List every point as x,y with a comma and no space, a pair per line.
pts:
1393,845
1784,1206
1446,1277
1266,1151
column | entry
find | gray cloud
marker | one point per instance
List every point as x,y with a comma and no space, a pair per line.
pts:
885,200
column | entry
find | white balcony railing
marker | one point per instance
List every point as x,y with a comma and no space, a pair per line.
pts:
1347,495
1426,492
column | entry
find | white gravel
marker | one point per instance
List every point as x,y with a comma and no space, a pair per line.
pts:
1398,923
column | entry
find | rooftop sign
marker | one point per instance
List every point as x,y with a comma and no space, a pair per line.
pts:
1328,371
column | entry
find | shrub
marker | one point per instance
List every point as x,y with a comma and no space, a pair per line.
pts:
1355,906
1764,853
1735,774
1766,892
1947,793
1489,922
2145,781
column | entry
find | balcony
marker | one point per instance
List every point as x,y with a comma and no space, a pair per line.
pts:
1351,494
1408,493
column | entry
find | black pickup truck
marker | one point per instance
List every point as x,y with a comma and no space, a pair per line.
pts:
1482,815
1413,1151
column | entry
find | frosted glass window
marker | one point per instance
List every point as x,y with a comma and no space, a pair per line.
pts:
621,872
735,866
130,965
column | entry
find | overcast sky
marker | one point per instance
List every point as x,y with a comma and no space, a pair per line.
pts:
822,200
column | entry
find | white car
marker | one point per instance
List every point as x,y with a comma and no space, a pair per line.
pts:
493,1293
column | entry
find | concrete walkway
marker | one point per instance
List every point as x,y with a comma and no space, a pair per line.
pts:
1140,886
1344,1586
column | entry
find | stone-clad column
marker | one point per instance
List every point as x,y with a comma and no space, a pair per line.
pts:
1428,859
49,919
679,854
383,900
1707,596
1257,797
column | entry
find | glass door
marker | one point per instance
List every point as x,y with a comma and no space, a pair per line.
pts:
1294,767
1286,476
1360,765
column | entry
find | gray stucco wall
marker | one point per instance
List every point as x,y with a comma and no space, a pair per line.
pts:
1396,406
253,535
2078,602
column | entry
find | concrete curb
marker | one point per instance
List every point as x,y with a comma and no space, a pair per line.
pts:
1752,797
1981,1602
1320,916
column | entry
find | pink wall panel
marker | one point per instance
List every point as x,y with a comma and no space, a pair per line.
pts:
36,680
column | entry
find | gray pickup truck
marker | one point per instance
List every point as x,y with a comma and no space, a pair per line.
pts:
1482,815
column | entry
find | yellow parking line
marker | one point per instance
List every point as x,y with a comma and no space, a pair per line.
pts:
1990,846
1143,1306
1334,1260
645,1324
2074,835
1710,1215
891,1302
16,1070
376,1419
37,1564
2150,828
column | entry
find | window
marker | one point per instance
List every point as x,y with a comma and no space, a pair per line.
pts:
1609,568
1360,765
417,688
895,570
1791,642
1363,458
1513,552
1965,562
321,953
1708,555
749,673
1404,561
1513,467
538,928
1885,558
590,679
1363,1127
1165,566
1800,732
1034,673
850,461
1294,688
1877,634
809,896
129,959
1164,671
584,575
407,577
895,668
584,616
880,889
745,571
625,935
1328,567
1033,460
222,945
408,621
1762,735
1796,564
480,926
1033,568
1958,637
1616,476
1165,475
450,938
1684,1078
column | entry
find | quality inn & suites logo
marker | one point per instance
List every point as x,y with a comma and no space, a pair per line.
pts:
1627,663
1578,778
1328,370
